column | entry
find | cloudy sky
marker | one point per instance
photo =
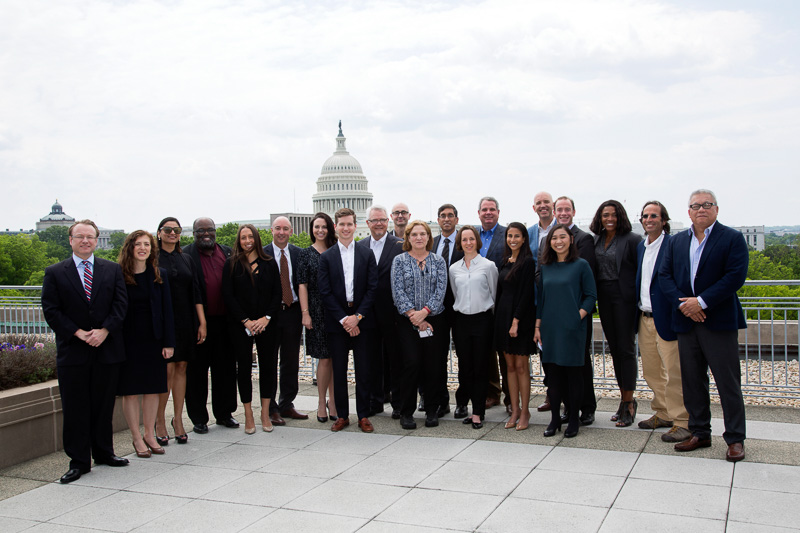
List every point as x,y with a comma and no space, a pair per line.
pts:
129,111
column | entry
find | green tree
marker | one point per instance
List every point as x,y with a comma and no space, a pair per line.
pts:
21,256
785,255
57,239
302,240
226,234
762,267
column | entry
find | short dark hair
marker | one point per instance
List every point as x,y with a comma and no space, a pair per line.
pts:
664,213
447,206
330,239
623,223
344,212
571,201
477,237
85,222
548,255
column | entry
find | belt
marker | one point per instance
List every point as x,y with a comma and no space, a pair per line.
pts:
284,307
349,304
647,314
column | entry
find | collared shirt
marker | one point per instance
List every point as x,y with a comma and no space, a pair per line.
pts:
348,266
377,246
277,256
544,231
486,239
81,266
695,253
648,265
475,287
452,240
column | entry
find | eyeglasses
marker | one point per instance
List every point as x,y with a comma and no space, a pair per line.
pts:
84,237
200,231
378,221
704,205
397,213
645,217
170,229
447,215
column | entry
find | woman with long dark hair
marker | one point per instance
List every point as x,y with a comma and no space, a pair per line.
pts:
190,325
251,287
615,249
149,333
323,236
566,299
515,313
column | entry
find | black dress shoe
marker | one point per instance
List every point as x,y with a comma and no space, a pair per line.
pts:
460,412
112,461
468,420
73,474
396,414
229,422
443,410
375,409
587,419
477,425
431,420
571,431
200,428
322,419
407,422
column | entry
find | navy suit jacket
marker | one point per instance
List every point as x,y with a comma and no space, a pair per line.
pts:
393,247
331,287
722,271
662,309
497,246
67,310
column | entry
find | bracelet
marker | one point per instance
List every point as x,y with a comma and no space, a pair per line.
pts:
245,321
426,308
305,310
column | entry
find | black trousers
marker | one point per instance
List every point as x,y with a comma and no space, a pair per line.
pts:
339,346
267,366
564,382
421,364
618,318
87,402
700,349
288,335
472,335
588,401
385,360
215,353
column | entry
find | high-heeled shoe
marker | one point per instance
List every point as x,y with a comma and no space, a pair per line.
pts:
321,419
522,426
267,428
512,423
552,429
157,450
180,439
572,430
142,455
618,414
333,418
628,414
162,441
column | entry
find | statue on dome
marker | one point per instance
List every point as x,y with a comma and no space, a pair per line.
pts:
340,128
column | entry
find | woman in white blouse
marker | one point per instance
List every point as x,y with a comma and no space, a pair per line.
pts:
474,283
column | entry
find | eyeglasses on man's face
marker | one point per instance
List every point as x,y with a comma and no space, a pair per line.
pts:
704,205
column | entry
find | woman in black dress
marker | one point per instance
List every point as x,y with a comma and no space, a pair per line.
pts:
149,333
190,325
323,236
615,249
515,314
251,287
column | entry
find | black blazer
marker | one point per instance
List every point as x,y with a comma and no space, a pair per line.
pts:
67,310
457,255
383,293
294,257
585,245
331,287
243,299
497,246
626,263
195,255
722,271
161,307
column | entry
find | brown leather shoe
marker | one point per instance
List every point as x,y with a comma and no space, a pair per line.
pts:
276,419
692,444
293,414
545,405
735,452
491,402
365,425
340,424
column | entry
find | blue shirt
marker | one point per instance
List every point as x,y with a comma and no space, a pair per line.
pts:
695,253
486,239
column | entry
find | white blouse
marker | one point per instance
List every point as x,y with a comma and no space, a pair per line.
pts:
475,287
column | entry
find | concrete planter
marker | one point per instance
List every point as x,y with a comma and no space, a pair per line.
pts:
31,422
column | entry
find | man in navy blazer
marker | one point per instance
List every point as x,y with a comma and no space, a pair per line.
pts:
385,363
658,343
348,279
84,301
700,274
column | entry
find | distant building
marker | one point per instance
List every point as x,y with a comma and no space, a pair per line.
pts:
754,235
57,217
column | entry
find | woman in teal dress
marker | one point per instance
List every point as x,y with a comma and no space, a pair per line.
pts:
567,294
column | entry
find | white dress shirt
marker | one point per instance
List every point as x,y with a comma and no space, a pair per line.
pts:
348,266
475,287
452,240
648,265
377,246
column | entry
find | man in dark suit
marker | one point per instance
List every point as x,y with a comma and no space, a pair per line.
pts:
215,351
565,213
289,322
384,365
445,246
348,278
84,301
701,272
658,343
493,242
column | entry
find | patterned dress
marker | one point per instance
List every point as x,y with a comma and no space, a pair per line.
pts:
307,268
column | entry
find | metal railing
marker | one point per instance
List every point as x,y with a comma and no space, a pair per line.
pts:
768,347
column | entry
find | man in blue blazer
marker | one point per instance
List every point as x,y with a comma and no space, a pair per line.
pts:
543,207
347,279
658,343
84,301
700,274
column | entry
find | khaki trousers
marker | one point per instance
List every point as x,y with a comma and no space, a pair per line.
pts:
661,366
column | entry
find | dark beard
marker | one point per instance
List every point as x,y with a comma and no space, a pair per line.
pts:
203,245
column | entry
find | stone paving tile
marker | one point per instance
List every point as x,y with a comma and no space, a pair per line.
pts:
107,477
286,437
665,467
264,489
744,527
531,516
441,508
242,457
313,463
617,439
570,487
700,501
50,527
291,521
498,480
188,481
378,526
589,461
13,525
202,516
503,453
121,511
11,486
185,453
627,521
348,498
388,470
764,508
59,500
426,448
778,478
353,443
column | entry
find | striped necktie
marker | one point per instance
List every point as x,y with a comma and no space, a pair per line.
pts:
87,279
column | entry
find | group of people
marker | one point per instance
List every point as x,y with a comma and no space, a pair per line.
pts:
157,321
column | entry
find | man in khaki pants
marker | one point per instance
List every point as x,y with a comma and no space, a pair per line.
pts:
658,343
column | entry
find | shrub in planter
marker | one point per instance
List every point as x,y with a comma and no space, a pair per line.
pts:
25,360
